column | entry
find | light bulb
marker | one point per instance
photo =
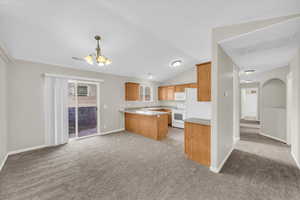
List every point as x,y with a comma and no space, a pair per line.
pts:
101,59
108,61
89,59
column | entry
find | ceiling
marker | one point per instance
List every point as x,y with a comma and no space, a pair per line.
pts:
267,48
139,36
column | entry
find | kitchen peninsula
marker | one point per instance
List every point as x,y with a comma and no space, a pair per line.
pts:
146,122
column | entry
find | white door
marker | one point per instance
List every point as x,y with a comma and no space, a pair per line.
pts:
249,103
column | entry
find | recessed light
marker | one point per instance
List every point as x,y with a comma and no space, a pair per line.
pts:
249,71
176,63
150,76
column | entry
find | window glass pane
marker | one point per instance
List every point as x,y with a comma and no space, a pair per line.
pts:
82,90
147,94
87,110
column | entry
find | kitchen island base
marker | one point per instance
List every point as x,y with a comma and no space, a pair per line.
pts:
150,126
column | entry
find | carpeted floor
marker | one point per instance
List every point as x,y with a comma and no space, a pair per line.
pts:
126,166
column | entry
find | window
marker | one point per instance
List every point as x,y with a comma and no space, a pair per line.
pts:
82,90
146,93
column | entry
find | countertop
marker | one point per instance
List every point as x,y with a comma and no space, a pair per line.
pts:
198,121
143,111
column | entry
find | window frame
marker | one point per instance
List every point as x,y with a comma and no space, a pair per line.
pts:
143,93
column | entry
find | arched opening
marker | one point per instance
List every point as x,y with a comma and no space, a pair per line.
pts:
273,113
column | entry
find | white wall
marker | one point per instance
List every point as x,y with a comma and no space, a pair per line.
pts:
189,76
294,103
236,104
3,113
261,78
26,97
222,73
273,121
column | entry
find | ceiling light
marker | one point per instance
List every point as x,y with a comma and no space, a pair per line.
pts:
176,63
150,76
89,59
249,71
96,57
248,81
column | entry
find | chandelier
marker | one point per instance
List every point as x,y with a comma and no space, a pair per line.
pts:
96,57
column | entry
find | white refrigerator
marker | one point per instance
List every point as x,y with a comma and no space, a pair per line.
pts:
194,108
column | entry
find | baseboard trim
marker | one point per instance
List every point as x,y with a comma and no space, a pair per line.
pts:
236,139
219,168
27,149
44,146
296,161
113,131
3,162
272,137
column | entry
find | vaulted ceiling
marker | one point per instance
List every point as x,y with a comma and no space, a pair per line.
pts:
265,49
139,36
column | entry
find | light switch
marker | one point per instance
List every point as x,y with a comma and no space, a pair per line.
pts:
105,106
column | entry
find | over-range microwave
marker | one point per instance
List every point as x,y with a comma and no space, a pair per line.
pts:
179,96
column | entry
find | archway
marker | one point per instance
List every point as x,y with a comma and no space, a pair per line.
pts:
273,109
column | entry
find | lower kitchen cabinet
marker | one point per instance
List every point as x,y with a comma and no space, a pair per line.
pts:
197,142
151,126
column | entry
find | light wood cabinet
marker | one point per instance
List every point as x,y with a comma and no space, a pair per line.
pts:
197,142
204,81
169,114
182,87
171,93
162,94
167,93
132,91
150,126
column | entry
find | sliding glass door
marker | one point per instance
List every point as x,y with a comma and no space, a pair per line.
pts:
83,108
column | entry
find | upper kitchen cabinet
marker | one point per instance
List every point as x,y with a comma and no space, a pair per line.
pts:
171,91
182,87
162,94
204,81
166,93
132,91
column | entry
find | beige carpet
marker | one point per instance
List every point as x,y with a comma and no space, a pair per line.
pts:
126,166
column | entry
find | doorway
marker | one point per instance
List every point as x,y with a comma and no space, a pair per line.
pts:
249,103
83,109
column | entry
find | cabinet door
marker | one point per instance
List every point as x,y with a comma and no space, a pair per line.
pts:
132,91
204,81
180,88
160,93
170,93
197,142
187,139
200,144
165,93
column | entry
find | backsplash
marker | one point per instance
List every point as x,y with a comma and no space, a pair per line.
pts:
170,103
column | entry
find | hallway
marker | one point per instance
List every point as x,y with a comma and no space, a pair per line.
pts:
266,165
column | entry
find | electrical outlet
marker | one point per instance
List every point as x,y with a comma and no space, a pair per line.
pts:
104,126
